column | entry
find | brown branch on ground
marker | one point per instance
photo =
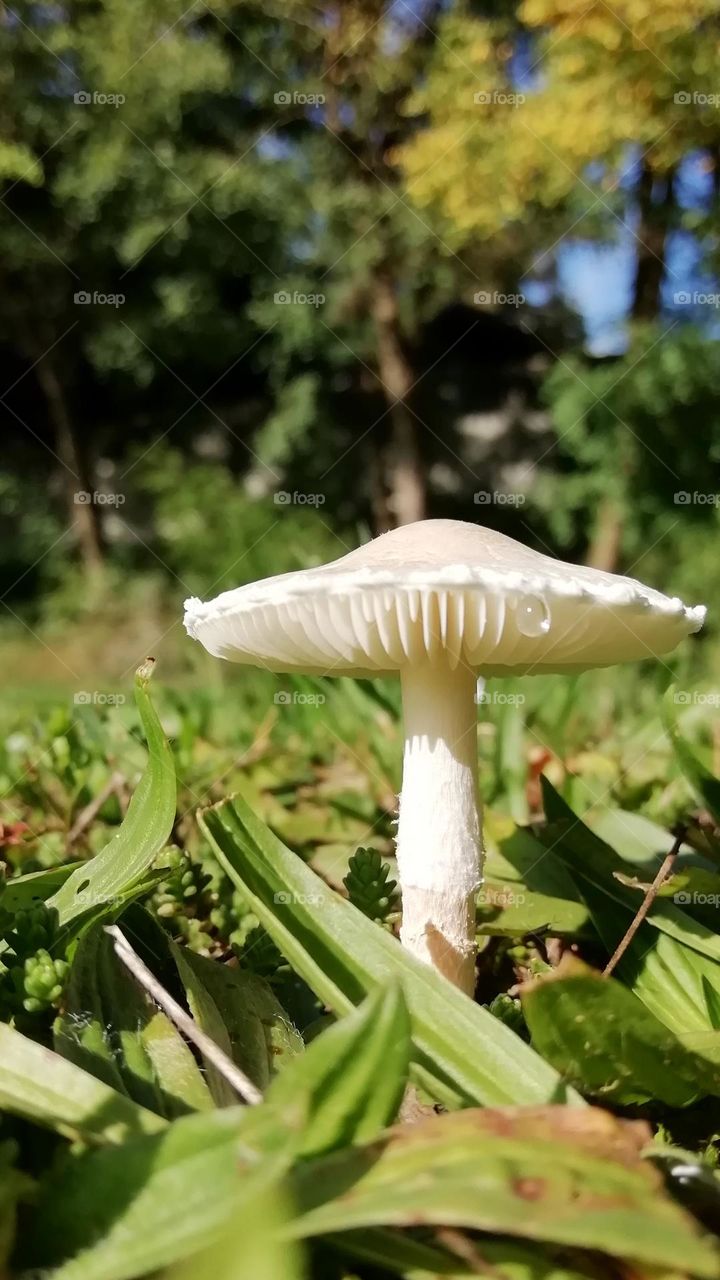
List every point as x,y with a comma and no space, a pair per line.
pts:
650,896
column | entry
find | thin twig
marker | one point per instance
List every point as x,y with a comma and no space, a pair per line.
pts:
650,896
208,1048
91,810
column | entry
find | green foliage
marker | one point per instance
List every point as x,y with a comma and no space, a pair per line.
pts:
141,1123
369,886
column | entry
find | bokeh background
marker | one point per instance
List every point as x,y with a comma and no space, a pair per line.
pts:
279,276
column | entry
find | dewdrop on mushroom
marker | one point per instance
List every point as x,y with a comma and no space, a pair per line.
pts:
440,603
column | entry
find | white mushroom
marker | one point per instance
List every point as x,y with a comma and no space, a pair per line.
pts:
438,602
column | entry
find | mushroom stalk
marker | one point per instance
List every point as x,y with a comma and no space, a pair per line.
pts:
439,850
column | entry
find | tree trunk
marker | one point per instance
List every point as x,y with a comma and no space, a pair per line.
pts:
407,491
604,550
651,238
83,515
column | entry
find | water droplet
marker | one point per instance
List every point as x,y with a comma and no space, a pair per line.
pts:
532,615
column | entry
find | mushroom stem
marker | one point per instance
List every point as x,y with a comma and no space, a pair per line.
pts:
439,829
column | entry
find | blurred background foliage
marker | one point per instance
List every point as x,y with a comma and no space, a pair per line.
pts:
366,262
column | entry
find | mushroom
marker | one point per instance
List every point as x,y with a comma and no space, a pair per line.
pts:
438,602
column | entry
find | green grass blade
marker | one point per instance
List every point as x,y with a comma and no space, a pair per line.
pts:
462,1052
94,888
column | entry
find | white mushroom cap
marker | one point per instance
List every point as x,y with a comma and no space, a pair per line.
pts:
441,586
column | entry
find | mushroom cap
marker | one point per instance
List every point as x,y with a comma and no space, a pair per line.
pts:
441,589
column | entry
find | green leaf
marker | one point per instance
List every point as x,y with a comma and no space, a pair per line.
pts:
460,1051
240,1012
600,1036
162,1198
253,1248
112,1215
525,890
587,856
94,889
43,1087
36,886
702,781
558,1175
110,1028
353,1075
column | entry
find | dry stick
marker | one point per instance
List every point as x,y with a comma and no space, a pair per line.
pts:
156,990
650,896
86,815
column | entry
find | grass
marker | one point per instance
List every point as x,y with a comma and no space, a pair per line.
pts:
281,949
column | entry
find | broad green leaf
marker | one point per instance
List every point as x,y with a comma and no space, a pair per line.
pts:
253,1248
354,1075
525,889
705,785
37,886
585,855
43,1087
558,1175
109,1027
600,1036
461,1052
174,1194
154,1201
95,888
242,1015
670,979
